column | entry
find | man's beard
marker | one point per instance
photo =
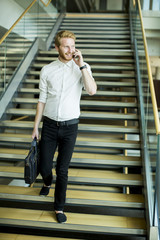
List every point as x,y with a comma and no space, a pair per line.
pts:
65,56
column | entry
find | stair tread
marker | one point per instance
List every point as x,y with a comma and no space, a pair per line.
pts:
95,51
84,114
82,173
74,194
10,236
79,155
93,67
117,34
78,158
83,102
99,83
98,93
95,27
96,20
81,127
102,46
104,75
80,141
89,60
78,218
104,16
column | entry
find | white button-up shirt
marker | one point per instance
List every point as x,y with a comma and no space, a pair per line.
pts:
60,89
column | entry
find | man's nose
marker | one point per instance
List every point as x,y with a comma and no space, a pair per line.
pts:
70,49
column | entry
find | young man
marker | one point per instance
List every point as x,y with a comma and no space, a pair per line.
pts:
61,84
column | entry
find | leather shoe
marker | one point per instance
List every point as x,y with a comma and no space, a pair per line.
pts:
61,217
44,191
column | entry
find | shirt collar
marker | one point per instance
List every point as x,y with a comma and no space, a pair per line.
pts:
68,64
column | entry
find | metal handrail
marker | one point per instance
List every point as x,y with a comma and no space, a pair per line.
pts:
46,4
153,96
22,15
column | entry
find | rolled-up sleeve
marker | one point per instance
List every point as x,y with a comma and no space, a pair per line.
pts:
43,86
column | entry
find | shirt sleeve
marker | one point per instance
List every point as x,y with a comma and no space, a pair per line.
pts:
43,86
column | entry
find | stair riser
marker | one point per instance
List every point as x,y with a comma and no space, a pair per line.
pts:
75,233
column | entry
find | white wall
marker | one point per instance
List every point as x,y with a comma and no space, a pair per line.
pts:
151,20
111,5
9,12
114,5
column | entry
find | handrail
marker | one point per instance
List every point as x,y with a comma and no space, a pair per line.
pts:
46,4
153,96
134,3
27,9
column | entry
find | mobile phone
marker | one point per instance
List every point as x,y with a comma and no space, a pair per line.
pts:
76,57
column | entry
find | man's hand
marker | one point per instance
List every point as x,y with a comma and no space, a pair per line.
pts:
35,133
78,58
39,113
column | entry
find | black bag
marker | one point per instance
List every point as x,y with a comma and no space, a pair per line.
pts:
31,168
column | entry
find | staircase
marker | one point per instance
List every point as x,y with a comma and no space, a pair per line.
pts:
105,189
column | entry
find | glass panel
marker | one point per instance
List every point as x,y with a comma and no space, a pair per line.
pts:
148,118
12,51
37,22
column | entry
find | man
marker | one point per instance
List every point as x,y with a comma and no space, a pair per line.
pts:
61,84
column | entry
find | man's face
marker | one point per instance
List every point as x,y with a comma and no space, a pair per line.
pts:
66,49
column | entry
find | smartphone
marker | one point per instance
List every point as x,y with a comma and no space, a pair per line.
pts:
76,57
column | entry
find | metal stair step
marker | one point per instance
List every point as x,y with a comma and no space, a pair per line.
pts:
112,53
95,75
84,41
81,127
84,114
98,29
96,67
77,223
103,46
81,141
95,24
74,197
99,83
79,158
16,236
18,45
34,27
84,103
83,176
101,35
98,59
84,93
97,16
96,21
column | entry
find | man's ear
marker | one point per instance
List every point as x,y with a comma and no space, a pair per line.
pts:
56,47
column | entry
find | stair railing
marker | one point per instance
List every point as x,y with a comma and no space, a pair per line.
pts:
148,119
18,40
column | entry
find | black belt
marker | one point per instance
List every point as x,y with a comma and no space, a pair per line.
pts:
62,123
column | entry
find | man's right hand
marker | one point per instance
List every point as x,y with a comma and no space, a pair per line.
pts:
35,133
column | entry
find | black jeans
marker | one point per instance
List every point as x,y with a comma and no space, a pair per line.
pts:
64,138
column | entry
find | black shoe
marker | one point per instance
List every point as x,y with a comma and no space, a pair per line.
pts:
44,191
61,217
